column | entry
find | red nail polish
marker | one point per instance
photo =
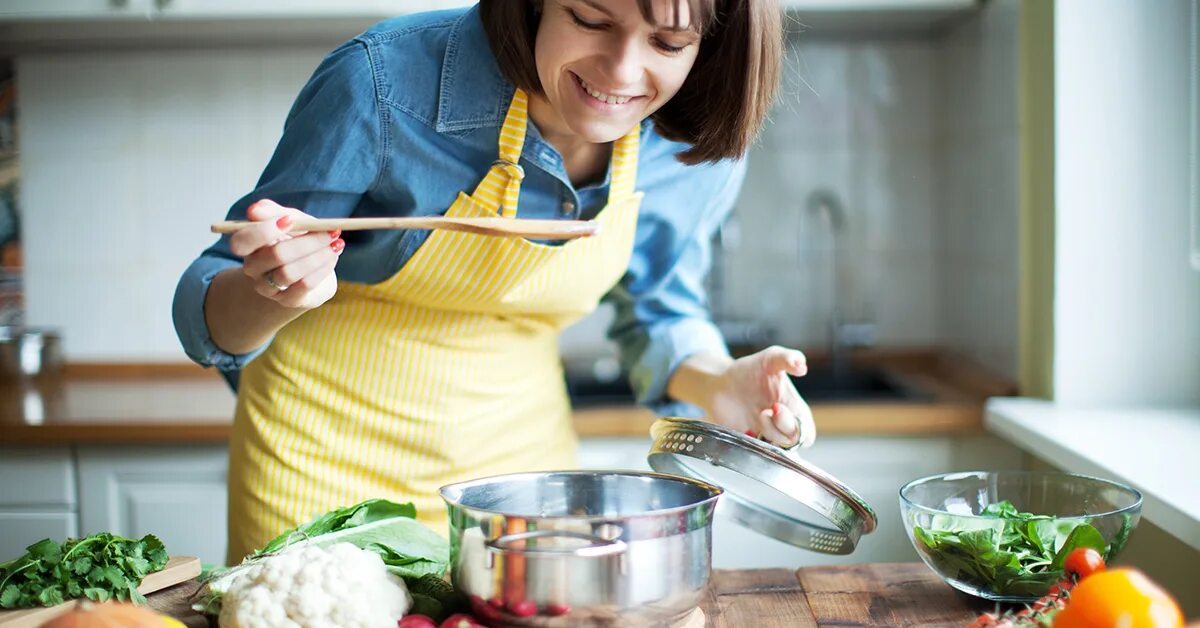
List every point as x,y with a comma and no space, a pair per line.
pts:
751,434
335,234
775,409
283,223
337,245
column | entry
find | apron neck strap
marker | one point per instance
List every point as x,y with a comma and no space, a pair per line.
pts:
623,176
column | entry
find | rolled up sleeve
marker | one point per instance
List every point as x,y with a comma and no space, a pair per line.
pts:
329,156
662,315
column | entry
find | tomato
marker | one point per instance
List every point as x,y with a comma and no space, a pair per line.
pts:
1119,597
1083,562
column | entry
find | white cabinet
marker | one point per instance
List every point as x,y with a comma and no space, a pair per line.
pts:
36,477
875,467
19,530
74,9
37,497
20,10
175,492
252,9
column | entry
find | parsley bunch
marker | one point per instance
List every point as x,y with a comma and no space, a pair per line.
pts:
100,567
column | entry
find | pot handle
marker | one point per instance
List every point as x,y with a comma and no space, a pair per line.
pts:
599,547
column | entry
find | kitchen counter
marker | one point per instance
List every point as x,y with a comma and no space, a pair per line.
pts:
878,594
182,403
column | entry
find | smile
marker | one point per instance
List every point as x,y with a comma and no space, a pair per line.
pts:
601,96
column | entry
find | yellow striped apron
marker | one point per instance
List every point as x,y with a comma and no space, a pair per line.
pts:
447,371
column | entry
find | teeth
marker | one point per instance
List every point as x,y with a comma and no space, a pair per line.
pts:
601,96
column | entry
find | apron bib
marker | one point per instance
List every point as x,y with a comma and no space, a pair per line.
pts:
447,371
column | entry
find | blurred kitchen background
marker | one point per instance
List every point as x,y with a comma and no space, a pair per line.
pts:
955,201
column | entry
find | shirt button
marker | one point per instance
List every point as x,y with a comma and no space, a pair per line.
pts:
568,207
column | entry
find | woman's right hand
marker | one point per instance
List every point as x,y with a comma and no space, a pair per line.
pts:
296,270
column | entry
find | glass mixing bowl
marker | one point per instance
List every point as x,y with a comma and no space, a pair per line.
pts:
1002,535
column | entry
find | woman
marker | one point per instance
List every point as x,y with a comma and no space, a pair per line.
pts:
387,364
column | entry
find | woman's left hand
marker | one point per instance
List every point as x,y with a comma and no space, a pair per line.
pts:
753,394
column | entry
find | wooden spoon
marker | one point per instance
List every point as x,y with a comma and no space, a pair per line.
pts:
501,227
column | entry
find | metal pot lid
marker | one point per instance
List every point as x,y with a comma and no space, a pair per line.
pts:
770,490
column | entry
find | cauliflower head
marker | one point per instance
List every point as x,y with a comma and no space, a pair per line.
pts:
340,586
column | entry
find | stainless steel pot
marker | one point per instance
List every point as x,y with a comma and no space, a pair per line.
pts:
578,548
29,352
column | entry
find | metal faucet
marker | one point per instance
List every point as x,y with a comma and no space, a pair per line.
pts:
844,333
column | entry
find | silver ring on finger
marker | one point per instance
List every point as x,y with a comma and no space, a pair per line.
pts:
270,279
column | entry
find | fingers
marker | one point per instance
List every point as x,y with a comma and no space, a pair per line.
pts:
778,425
273,222
791,361
298,275
299,293
287,252
787,424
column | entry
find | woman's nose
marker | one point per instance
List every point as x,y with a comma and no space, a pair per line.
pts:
625,64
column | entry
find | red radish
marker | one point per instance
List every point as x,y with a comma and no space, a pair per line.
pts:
496,601
523,608
557,609
488,613
461,620
416,621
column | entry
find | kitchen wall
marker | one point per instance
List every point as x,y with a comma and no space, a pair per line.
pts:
917,137
976,160
126,159
128,156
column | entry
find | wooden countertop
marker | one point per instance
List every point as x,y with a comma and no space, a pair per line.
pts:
899,594
146,404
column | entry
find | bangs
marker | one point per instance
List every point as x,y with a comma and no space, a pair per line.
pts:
702,13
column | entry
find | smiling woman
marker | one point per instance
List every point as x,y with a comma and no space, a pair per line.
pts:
386,364
711,66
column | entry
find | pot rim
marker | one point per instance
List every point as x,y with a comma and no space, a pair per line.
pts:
714,491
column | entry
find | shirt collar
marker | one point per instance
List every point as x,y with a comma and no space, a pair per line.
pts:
473,93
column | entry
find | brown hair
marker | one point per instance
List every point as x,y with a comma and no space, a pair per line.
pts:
724,100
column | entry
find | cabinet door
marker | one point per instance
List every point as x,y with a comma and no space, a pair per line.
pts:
36,477
19,530
174,492
73,9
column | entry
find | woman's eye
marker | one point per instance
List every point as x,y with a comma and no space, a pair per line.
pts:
666,47
584,23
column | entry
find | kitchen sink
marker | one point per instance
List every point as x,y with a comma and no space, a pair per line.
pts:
821,384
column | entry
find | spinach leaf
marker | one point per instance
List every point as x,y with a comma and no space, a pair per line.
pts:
100,567
1006,551
1082,536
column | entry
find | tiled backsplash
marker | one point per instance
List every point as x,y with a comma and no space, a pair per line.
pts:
127,157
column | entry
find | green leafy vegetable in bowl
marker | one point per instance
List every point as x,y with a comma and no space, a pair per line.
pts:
1008,552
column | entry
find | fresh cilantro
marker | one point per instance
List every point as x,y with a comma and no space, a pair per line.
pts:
100,567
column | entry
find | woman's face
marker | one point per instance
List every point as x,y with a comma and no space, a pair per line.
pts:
604,68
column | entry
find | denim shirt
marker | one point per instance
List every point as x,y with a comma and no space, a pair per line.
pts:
398,120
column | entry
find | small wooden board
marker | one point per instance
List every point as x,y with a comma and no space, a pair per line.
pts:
694,619
178,569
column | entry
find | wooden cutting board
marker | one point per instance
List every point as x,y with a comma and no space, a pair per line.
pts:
178,569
